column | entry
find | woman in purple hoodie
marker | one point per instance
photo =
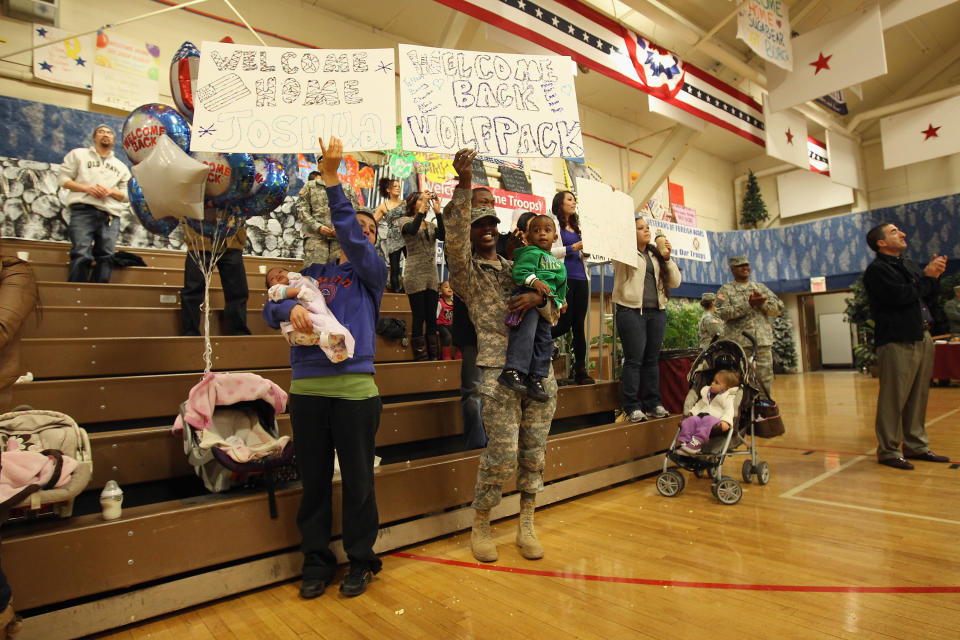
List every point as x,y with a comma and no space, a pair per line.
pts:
336,407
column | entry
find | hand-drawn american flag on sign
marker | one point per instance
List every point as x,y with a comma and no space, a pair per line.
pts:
571,28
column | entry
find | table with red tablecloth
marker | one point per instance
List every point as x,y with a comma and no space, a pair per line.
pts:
946,362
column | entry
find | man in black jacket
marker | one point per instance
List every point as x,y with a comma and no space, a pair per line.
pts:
900,297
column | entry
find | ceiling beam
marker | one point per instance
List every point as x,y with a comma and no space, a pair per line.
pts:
664,160
926,75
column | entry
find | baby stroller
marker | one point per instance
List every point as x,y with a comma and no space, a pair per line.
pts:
756,416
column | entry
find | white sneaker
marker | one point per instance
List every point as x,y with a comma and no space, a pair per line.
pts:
659,412
692,448
636,416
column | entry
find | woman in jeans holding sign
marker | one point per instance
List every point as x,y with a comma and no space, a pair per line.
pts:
640,294
420,279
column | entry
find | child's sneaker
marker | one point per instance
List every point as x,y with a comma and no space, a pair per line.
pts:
513,380
535,390
512,319
692,447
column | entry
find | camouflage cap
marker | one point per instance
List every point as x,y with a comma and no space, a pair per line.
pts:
956,289
479,213
737,261
708,297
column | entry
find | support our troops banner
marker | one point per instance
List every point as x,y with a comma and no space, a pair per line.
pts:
594,40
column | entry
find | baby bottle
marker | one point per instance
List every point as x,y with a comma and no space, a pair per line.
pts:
111,500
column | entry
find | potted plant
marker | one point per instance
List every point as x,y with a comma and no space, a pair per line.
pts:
857,313
682,335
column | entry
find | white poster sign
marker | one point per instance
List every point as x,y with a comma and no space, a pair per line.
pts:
500,104
69,62
282,100
686,242
126,73
765,26
606,222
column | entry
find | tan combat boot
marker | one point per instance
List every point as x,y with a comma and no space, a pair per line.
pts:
481,542
530,547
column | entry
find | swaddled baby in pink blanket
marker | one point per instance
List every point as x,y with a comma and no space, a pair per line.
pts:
328,334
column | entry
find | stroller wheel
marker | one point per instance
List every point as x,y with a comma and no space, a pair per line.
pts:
763,473
748,471
728,490
670,483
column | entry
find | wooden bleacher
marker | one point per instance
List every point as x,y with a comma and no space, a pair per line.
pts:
111,357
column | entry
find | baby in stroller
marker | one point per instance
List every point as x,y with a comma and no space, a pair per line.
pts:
715,408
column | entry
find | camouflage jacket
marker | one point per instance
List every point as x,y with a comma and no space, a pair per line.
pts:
313,210
710,325
733,307
484,285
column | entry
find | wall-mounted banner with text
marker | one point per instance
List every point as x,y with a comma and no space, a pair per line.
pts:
279,100
575,28
506,203
687,242
500,104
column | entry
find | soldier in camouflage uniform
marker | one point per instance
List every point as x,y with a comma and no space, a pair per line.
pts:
516,426
710,323
319,239
952,309
745,305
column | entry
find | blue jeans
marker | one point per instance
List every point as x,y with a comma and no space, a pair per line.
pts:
471,402
530,346
641,333
93,236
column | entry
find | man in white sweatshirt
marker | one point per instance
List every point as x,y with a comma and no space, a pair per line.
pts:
97,182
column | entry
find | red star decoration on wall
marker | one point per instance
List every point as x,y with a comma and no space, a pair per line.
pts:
789,137
930,132
821,63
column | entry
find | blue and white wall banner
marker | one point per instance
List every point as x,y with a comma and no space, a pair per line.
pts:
572,28
501,104
281,100
689,243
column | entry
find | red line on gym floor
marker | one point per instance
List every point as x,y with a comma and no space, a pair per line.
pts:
679,583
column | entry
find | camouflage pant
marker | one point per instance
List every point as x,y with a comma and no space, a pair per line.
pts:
517,430
320,251
764,365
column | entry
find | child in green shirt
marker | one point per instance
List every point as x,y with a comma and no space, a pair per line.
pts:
530,346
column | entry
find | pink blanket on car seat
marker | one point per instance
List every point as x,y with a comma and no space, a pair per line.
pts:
226,389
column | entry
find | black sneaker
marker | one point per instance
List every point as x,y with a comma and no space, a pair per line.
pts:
513,380
535,390
312,588
356,580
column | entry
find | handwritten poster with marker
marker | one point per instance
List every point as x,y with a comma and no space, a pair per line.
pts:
279,100
500,104
765,26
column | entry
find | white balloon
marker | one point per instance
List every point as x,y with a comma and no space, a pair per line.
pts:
172,181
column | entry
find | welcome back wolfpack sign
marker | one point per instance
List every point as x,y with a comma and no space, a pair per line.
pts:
571,28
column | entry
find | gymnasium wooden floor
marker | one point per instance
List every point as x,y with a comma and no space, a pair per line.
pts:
835,546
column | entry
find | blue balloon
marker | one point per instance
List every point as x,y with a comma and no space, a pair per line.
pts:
148,122
231,176
269,190
163,226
